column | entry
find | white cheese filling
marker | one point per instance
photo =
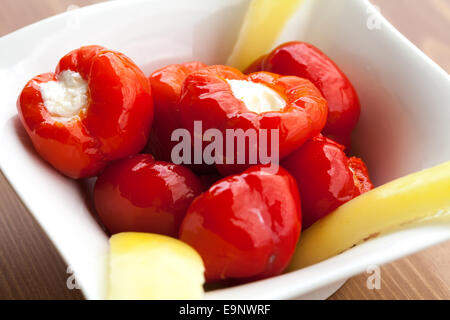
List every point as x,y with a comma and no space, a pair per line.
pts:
66,97
256,96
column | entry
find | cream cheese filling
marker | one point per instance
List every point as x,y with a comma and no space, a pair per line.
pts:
65,97
256,96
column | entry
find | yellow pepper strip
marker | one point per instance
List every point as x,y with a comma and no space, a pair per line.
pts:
263,23
416,198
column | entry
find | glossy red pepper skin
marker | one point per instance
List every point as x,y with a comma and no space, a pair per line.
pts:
304,60
245,226
166,90
206,96
115,123
326,178
143,195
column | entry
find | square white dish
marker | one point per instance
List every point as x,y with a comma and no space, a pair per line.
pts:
405,100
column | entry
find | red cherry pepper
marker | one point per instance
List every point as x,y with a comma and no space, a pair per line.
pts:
143,195
245,226
114,124
208,97
326,178
304,60
166,89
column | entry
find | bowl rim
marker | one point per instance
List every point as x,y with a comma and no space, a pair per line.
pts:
313,274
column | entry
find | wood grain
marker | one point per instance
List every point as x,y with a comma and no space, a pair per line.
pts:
30,267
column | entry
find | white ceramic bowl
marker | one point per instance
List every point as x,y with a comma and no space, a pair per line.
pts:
404,124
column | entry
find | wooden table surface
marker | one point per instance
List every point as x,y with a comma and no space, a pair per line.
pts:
30,267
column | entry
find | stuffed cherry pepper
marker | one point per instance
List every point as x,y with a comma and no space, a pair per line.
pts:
166,86
143,195
304,60
245,226
96,107
260,117
326,177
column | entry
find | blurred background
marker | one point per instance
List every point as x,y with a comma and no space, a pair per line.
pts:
30,267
